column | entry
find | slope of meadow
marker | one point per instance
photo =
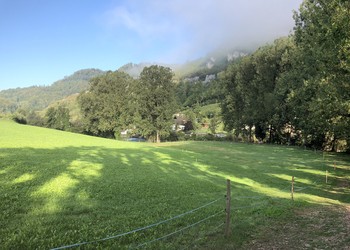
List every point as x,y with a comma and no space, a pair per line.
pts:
59,188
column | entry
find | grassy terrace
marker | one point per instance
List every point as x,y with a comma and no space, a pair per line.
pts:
59,188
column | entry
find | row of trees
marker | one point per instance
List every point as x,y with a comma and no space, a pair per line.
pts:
296,90
117,102
55,117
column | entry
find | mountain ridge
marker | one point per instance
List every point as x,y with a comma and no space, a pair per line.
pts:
40,97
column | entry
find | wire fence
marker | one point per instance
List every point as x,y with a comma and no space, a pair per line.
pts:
263,201
150,226
180,230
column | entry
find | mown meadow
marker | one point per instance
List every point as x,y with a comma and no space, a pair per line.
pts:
59,188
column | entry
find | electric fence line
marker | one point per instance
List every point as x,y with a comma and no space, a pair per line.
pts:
138,229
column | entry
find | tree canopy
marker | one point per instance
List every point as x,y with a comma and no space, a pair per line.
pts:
116,102
297,89
104,106
155,98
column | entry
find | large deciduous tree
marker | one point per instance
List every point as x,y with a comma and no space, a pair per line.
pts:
322,35
155,98
105,107
252,95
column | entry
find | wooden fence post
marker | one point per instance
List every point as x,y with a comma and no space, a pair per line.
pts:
292,189
326,176
228,209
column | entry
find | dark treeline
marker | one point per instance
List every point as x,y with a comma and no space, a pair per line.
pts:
296,90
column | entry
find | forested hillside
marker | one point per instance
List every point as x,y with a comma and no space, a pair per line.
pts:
39,97
198,81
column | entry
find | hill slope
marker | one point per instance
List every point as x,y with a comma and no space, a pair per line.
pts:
211,64
39,97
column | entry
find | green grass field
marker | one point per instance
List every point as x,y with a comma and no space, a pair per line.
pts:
59,188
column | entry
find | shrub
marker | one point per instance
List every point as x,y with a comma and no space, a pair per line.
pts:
19,118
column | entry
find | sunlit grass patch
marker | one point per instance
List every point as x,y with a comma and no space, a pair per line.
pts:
61,188
23,178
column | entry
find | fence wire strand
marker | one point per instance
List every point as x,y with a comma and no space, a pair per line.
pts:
214,230
298,189
288,187
180,230
138,229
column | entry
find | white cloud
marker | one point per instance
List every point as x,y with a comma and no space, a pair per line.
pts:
192,27
140,21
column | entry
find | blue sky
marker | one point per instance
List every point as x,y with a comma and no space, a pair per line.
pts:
44,40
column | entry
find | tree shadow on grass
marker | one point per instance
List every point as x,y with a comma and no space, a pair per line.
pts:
61,196
53,197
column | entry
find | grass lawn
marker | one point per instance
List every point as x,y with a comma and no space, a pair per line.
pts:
59,188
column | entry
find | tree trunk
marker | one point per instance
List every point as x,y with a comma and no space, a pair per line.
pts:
157,138
250,134
334,144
